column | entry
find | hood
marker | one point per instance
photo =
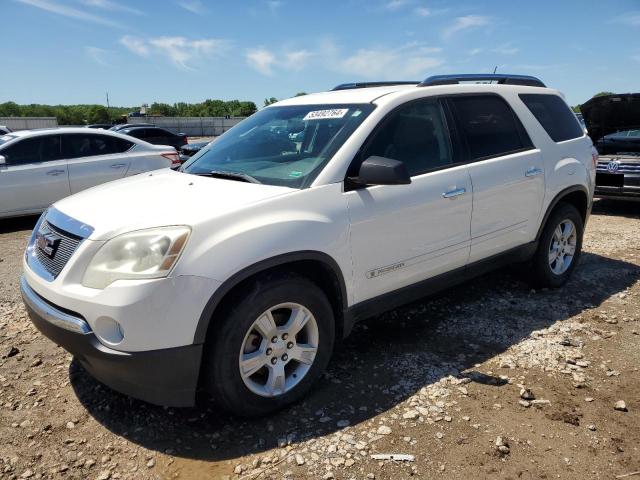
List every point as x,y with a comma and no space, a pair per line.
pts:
611,113
160,198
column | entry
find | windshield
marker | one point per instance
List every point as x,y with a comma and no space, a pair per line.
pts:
6,138
286,146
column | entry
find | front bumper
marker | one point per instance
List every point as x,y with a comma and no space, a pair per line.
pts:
163,377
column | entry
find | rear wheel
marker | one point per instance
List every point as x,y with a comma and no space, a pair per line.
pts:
559,247
271,344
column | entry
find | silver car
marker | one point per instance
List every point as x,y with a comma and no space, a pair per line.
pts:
39,167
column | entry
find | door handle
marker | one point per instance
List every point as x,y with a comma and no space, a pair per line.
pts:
55,173
454,193
118,165
533,171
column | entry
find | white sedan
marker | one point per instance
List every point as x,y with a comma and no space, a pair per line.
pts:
39,167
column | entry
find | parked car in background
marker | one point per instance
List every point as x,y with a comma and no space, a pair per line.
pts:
100,126
4,130
122,126
39,167
157,136
238,274
190,149
613,122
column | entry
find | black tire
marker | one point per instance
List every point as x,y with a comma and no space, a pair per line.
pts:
221,372
542,273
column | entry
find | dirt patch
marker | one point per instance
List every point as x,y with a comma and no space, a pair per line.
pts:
491,379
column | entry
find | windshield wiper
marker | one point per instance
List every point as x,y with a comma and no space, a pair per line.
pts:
242,177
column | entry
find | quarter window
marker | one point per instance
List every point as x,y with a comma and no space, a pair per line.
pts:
415,134
554,116
489,126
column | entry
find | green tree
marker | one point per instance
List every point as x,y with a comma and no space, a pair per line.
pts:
98,114
269,101
300,94
602,94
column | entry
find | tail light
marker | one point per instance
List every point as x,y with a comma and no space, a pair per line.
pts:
186,139
594,158
173,157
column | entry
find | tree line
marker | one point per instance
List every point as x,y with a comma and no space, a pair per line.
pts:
86,114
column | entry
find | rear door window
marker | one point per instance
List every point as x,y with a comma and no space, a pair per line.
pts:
554,115
489,126
88,145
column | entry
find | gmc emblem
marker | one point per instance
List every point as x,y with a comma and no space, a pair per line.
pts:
48,243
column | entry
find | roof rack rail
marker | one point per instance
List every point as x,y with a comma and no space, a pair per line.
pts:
500,78
352,85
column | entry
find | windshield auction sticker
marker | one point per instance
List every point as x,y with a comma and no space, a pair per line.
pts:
325,114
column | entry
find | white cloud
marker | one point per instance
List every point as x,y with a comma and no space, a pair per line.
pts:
474,51
396,4
422,11
179,50
69,12
135,44
97,55
112,6
261,60
632,19
274,5
296,60
506,49
193,6
465,23
386,63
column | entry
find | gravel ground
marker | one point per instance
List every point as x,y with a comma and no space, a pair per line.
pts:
491,380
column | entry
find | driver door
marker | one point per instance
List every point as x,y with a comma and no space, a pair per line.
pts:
403,234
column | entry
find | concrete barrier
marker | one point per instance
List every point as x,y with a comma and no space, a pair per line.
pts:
28,123
191,126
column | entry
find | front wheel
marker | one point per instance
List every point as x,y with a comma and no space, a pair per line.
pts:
271,344
559,247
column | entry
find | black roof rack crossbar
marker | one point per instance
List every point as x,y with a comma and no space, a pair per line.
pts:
500,78
352,85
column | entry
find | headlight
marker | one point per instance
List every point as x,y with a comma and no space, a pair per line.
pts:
136,255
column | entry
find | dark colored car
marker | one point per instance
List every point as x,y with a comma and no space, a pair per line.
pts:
122,126
157,136
613,122
4,130
101,126
189,150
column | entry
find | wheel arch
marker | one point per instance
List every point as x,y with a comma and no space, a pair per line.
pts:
317,266
576,195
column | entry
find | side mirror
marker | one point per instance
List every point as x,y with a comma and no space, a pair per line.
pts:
3,160
382,171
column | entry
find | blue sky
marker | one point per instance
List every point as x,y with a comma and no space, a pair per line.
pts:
140,51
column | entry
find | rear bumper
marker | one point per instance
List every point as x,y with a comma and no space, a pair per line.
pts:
163,377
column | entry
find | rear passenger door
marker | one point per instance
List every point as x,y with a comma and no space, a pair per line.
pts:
94,159
34,177
507,174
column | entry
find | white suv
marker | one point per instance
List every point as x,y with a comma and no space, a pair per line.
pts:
237,274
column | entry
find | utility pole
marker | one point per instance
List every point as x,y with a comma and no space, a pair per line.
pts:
107,100
495,69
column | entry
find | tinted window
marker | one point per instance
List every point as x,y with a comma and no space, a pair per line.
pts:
121,145
33,150
489,126
554,116
81,145
415,134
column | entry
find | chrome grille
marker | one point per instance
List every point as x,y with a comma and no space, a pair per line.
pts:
51,246
623,167
66,247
